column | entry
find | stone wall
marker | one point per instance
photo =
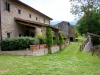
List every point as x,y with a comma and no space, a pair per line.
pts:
35,51
72,32
0,21
64,27
39,52
67,29
7,19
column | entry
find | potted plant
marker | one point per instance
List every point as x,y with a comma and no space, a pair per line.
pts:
35,45
42,41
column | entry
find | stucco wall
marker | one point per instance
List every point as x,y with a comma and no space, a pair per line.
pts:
8,22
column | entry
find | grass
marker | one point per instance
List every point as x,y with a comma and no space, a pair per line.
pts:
69,61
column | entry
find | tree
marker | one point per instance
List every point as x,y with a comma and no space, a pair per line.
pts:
90,24
76,31
86,10
83,7
49,40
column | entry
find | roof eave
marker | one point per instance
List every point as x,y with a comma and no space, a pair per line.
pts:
32,9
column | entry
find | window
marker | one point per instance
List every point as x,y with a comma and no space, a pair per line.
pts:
8,35
19,11
32,34
30,16
44,20
20,35
7,6
36,18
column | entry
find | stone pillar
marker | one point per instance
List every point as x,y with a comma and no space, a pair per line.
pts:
38,31
44,31
0,23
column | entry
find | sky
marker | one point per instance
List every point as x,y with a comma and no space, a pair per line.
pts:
58,10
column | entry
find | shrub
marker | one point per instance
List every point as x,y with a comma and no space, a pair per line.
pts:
61,40
65,38
55,42
16,43
36,41
42,39
80,39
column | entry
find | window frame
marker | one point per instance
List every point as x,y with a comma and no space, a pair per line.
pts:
7,6
36,18
8,35
30,16
44,21
19,11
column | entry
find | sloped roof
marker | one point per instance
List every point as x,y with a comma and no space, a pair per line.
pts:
18,1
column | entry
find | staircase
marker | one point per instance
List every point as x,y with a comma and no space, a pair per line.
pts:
87,47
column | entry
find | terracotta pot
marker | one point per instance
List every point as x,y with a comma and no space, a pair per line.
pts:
45,45
42,46
54,45
34,47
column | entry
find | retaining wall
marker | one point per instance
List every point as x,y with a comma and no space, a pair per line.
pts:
39,52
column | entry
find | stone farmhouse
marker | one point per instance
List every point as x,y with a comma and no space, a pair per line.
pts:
19,19
67,29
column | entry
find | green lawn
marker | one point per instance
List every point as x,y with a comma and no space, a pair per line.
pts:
69,61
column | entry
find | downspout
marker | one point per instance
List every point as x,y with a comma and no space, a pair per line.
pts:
0,23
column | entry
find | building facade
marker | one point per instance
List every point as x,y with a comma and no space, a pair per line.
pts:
67,29
19,19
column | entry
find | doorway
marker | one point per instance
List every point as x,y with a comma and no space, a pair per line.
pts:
71,38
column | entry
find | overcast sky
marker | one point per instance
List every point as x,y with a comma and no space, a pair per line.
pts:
59,10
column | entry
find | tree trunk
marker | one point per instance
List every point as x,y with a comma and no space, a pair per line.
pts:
49,50
60,47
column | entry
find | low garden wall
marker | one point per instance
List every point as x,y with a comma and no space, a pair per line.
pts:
36,52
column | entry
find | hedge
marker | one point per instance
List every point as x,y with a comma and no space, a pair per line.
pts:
18,43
